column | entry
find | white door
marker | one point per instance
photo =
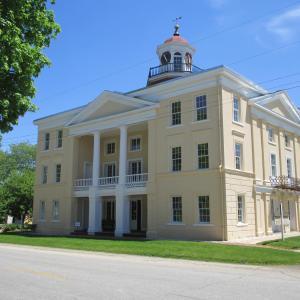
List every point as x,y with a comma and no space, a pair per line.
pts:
110,170
87,170
135,215
135,167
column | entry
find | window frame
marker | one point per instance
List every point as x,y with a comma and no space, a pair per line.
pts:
44,174
176,160
236,99
287,141
176,115
289,159
59,139
271,136
205,215
42,217
55,211
241,211
105,168
56,174
176,210
107,146
271,164
201,109
205,156
46,146
132,138
236,143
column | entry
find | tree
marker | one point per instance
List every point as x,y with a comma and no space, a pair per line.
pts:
26,28
17,180
17,194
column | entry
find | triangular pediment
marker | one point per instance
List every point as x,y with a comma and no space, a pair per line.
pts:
108,104
279,103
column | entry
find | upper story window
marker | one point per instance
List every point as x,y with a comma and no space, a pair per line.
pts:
58,173
241,209
238,156
273,165
44,174
236,109
287,141
176,113
289,167
201,108
270,135
110,148
55,210
110,169
177,209
204,210
177,62
176,159
47,141
203,159
42,211
59,141
135,144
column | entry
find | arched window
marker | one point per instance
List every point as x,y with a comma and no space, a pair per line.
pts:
165,58
188,61
177,62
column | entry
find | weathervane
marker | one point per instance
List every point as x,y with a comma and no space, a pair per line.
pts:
176,20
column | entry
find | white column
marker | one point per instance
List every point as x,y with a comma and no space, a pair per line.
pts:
122,202
94,201
96,158
123,155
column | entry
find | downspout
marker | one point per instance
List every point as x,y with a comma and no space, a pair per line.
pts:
221,166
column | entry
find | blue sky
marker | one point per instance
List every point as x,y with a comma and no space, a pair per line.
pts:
110,45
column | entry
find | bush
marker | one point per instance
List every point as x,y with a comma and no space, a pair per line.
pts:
17,227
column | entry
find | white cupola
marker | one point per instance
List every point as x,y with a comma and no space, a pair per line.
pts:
175,56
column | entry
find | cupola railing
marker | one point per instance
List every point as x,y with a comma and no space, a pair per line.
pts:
173,67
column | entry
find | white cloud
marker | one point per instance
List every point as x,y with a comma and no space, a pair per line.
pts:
285,25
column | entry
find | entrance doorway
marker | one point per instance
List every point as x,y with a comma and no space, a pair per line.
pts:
136,215
109,211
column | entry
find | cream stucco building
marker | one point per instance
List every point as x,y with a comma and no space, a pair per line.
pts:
189,156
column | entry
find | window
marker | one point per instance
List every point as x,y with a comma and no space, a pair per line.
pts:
44,174
204,211
176,159
47,141
273,165
135,144
176,113
201,108
270,135
236,109
203,162
135,167
177,62
59,139
110,148
42,210
289,167
58,173
177,209
110,170
241,209
287,141
55,210
238,156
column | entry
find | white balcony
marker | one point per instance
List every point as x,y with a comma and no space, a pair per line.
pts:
134,180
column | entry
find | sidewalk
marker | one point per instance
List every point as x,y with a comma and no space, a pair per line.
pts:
260,239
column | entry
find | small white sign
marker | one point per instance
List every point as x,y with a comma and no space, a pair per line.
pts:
77,224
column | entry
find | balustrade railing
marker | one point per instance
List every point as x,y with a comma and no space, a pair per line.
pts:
285,182
134,180
108,181
173,67
82,184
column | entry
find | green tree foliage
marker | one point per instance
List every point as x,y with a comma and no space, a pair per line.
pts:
26,28
17,180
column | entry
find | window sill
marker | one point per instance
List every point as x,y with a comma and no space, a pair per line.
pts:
238,123
175,126
132,151
202,224
58,148
272,143
176,224
288,149
55,221
200,121
242,224
45,151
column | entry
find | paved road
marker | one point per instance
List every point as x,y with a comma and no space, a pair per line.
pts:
33,273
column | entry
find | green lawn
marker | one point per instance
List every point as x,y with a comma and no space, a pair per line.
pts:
172,249
289,243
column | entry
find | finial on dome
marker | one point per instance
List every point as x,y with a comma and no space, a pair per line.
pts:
176,32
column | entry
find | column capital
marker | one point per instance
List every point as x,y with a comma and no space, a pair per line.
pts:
96,132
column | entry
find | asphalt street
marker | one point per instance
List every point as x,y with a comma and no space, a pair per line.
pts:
37,273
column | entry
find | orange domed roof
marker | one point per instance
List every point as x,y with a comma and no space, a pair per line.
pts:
176,38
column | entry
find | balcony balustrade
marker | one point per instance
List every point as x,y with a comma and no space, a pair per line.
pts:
134,180
173,67
285,183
